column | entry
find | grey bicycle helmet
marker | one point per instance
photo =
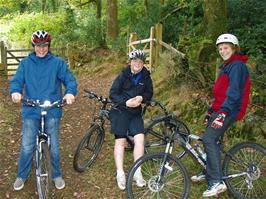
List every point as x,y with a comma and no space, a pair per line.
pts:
137,54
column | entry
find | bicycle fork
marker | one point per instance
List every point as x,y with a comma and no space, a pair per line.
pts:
41,138
165,163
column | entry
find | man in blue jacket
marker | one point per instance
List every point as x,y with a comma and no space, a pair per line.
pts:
40,77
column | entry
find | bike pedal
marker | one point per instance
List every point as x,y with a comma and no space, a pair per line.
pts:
168,167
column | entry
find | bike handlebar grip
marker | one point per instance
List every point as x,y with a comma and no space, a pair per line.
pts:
28,102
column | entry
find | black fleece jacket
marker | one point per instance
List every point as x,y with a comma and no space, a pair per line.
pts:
124,88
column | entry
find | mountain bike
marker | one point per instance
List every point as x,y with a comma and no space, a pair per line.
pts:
244,169
43,167
155,132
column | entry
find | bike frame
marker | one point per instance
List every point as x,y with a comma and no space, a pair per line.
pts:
189,149
41,138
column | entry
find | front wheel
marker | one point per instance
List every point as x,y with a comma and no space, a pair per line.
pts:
247,161
88,148
173,183
160,129
43,172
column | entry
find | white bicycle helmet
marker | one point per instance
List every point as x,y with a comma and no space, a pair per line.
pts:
227,38
40,37
137,54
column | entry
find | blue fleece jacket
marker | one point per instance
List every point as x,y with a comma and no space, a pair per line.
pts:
42,79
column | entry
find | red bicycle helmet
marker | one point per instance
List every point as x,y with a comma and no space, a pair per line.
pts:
40,38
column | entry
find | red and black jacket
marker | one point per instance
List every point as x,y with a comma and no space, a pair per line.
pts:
232,88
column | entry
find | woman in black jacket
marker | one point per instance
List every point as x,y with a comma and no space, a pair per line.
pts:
132,87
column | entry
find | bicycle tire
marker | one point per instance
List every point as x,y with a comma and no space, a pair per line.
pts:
159,130
247,157
44,173
174,184
88,148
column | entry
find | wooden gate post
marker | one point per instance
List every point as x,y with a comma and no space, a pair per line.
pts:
3,58
132,37
151,48
158,37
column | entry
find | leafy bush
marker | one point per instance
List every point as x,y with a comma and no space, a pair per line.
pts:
22,26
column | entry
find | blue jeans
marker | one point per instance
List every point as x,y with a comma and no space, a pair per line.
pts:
30,129
213,149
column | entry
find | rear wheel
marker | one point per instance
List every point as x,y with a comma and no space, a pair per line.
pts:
249,159
88,148
43,173
174,183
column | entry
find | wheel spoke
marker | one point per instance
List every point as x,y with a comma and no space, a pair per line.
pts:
250,159
173,184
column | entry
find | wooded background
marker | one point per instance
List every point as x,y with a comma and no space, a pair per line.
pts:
191,26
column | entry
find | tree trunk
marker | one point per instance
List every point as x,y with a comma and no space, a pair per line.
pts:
102,42
99,9
215,20
215,17
146,7
112,24
43,5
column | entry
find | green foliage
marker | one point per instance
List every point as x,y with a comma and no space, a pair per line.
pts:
247,20
23,26
12,6
181,18
136,18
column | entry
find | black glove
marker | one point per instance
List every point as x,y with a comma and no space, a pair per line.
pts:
207,118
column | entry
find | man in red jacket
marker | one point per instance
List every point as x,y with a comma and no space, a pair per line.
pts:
231,94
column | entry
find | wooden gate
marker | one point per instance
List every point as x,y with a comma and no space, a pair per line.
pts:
152,47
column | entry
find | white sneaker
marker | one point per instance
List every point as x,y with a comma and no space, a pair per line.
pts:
139,178
19,184
121,180
215,189
59,183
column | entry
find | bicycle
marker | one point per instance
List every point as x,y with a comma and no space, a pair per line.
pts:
244,168
42,151
91,143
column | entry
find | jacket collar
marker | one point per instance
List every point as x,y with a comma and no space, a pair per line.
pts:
236,57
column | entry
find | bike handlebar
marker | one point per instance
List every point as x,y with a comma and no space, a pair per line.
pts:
45,105
93,95
105,100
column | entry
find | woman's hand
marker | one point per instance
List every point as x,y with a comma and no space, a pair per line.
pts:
134,102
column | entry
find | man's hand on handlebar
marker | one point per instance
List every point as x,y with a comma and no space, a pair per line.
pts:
16,97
